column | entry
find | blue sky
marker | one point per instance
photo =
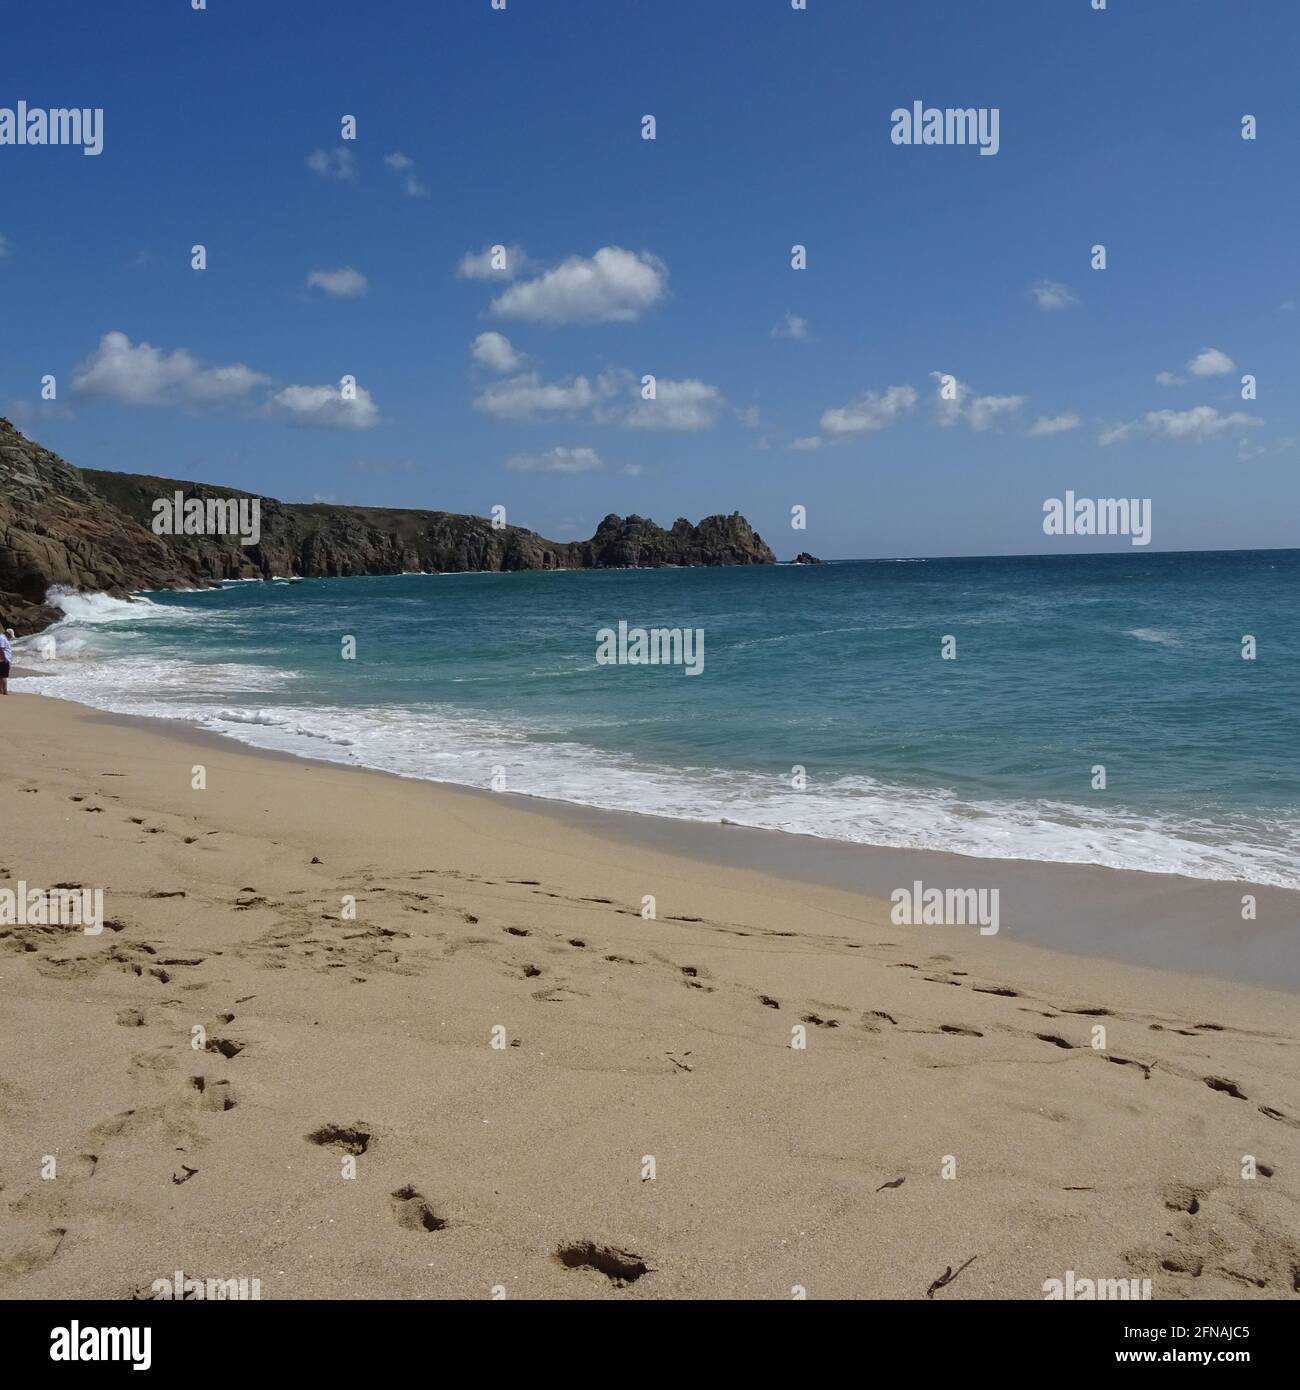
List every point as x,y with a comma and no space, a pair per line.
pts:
672,257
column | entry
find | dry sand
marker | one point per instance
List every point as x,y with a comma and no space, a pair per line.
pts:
775,1166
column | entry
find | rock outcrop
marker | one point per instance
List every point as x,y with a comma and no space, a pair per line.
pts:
803,558
54,529
91,530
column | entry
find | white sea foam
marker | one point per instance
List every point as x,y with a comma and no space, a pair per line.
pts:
448,745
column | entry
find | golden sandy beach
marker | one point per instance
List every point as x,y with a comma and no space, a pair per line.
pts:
628,1042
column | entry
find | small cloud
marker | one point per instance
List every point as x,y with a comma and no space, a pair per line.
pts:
140,374
494,350
805,445
1115,434
527,396
557,460
1170,379
1211,362
678,405
1196,425
1047,425
870,412
961,404
1049,294
499,262
345,283
1247,451
793,327
339,164
613,286
748,416
325,408
404,166
632,470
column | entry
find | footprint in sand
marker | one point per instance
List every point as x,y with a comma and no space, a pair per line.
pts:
35,1253
411,1211
355,1138
620,1267
214,1095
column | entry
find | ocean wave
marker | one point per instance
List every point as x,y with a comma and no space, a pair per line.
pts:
445,744
94,610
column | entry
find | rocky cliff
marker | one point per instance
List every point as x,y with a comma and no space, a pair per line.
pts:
91,530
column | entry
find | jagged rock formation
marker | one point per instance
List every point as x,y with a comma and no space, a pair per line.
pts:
803,558
55,530
91,530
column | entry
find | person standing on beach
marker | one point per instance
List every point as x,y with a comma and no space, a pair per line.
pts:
6,656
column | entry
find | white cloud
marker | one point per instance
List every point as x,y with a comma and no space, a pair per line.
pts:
1053,424
344,283
338,163
807,444
494,350
478,265
613,286
871,411
324,408
678,405
557,460
792,326
983,412
404,166
139,374
1169,379
1247,451
1211,362
527,396
749,416
1114,434
1048,295
979,412
1198,424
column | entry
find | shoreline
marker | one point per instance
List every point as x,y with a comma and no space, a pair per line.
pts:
1158,920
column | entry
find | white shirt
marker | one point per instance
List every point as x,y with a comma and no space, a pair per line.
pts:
6,651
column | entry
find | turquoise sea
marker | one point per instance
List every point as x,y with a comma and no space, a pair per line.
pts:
1131,662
